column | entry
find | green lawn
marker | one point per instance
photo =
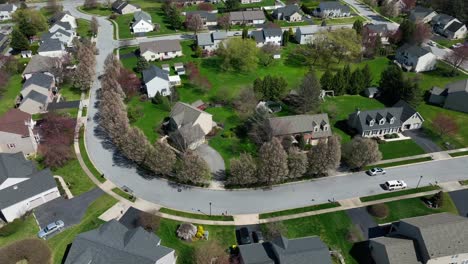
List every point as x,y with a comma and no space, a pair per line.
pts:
449,43
77,180
69,92
398,193
87,160
26,229
59,242
225,235
399,163
459,154
415,207
196,215
151,119
84,28
98,11
300,210
331,227
337,21
464,182
124,194
11,91
401,148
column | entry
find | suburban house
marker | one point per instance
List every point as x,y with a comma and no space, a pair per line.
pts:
281,250
210,41
208,18
64,17
421,14
158,80
250,1
64,36
390,120
52,48
448,26
17,133
188,125
332,9
305,34
41,64
160,50
415,58
142,22
34,103
192,2
380,30
112,242
40,82
290,13
123,8
247,17
311,127
454,96
22,186
430,239
6,10
265,36
64,26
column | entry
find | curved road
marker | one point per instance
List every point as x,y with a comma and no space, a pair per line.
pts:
160,191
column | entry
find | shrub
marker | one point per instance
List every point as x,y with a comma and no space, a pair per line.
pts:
437,199
11,228
32,250
200,232
378,210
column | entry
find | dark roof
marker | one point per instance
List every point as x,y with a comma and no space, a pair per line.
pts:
184,114
287,10
160,46
408,110
272,32
204,39
246,15
51,45
114,243
288,125
442,19
63,105
153,72
377,28
459,86
16,166
210,17
360,120
419,13
64,25
397,250
258,36
13,121
306,250
438,91
36,96
413,50
40,63
141,15
7,7
120,5
454,27
333,5
39,79
58,16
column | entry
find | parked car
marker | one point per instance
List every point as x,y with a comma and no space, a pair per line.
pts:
457,45
395,185
244,236
376,171
237,34
257,237
51,228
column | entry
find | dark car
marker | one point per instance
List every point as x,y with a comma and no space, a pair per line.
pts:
244,236
257,237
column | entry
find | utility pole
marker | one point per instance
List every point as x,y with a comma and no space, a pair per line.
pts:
210,208
420,177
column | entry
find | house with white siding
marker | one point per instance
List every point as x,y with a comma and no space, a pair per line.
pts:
415,58
52,48
290,13
123,7
22,186
251,17
64,17
159,81
210,41
160,50
331,9
6,10
142,22
273,36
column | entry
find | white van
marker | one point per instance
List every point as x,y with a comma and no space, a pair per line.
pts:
395,185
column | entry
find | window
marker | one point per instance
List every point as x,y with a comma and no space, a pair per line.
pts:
315,129
11,146
371,123
392,120
382,121
153,56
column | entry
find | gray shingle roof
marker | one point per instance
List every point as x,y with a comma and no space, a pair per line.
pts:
204,39
58,16
246,15
6,7
458,86
377,28
51,45
257,253
160,46
36,96
360,120
39,79
287,10
16,166
330,5
398,250
413,50
219,35
408,110
454,27
153,72
296,124
190,134
272,32
40,63
142,15
442,19
112,242
419,13
307,30
258,36
443,234
64,25
437,91
209,17
184,114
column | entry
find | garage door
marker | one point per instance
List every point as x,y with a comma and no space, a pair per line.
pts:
51,196
36,202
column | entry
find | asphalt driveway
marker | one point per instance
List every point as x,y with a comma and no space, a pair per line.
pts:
363,220
460,198
420,138
214,160
70,211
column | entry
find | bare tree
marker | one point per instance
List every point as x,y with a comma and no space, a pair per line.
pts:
245,103
243,170
259,130
94,26
422,33
223,22
53,6
309,92
297,163
360,152
89,4
457,57
194,23
390,8
193,169
273,162
445,125
211,253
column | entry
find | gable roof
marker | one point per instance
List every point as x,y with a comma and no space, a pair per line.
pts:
419,12
398,250
154,72
219,35
184,114
454,27
257,253
120,5
459,86
377,28
330,5
257,35
208,16
287,10
142,15
204,39
443,19
160,46
39,79
407,112
64,25
40,63
7,7
360,119
112,242
246,15
51,45
261,35
13,122
442,234
413,50
307,30
14,165
36,96
58,16
296,124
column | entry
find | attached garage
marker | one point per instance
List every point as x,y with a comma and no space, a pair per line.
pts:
52,195
36,202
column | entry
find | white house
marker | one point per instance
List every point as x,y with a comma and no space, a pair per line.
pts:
305,35
52,48
22,187
6,10
448,26
332,9
123,7
415,58
65,17
142,22
265,36
17,133
380,30
156,81
160,50
290,13
251,17
210,41
421,14
250,1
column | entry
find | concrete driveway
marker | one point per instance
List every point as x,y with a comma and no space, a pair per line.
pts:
460,198
214,160
69,211
420,138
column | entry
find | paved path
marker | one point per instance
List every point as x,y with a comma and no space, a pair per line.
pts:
420,138
214,161
64,186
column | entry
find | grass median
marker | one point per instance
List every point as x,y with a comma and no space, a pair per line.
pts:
458,154
86,160
197,216
399,193
124,194
399,163
300,210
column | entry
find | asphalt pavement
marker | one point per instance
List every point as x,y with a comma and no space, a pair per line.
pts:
460,198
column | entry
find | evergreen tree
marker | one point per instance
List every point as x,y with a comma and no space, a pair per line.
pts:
327,81
142,64
285,37
347,73
339,83
357,26
18,40
356,82
366,76
245,33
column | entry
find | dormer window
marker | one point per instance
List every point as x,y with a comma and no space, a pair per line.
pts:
392,120
382,121
371,122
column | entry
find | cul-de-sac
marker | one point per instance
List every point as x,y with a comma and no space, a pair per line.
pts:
233,132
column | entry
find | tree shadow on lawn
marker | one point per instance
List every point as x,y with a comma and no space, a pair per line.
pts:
360,253
212,64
